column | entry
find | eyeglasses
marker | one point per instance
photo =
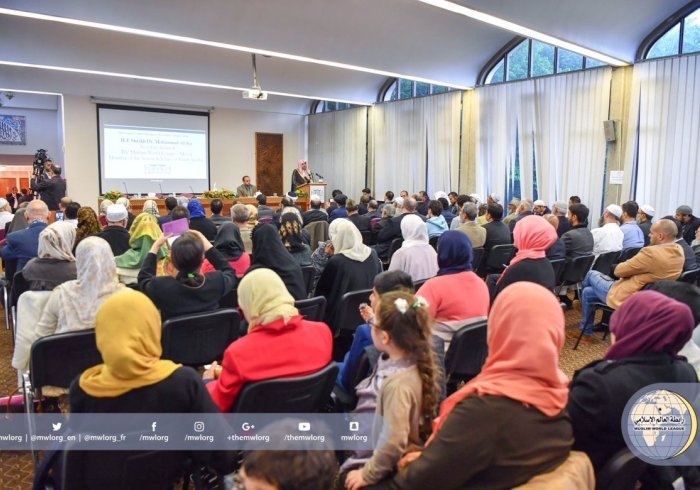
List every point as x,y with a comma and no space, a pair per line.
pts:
238,483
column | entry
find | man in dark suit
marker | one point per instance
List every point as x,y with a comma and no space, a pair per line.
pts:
423,201
497,232
525,209
52,189
579,240
361,222
170,204
115,233
13,198
690,223
393,230
264,211
23,245
315,213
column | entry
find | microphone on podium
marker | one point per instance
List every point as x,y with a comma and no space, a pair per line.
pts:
126,191
161,188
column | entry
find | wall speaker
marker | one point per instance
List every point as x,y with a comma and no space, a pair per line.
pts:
609,129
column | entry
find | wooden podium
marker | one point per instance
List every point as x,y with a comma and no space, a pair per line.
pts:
313,188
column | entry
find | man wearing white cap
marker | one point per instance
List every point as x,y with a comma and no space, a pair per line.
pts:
644,219
634,236
609,237
5,213
541,208
115,233
513,206
559,210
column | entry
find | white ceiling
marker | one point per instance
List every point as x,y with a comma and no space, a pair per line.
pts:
400,36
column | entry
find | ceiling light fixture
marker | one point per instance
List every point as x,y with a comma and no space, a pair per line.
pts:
233,47
170,80
523,31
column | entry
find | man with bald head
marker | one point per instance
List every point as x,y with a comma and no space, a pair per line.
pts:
662,260
23,245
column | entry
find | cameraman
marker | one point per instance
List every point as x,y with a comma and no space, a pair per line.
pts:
51,189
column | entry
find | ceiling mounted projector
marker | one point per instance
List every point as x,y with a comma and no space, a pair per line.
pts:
255,92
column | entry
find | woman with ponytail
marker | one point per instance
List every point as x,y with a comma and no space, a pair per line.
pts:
186,290
403,390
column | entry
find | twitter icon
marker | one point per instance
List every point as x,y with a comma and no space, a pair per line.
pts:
56,426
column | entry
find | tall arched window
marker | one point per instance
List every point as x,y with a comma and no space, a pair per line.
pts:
398,89
677,35
528,58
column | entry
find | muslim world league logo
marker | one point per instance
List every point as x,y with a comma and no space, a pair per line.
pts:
661,425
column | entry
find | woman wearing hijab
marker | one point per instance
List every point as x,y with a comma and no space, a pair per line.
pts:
292,345
647,332
55,263
269,253
252,215
199,220
509,423
186,290
293,239
133,379
415,257
142,235
455,281
301,175
230,243
532,236
351,267
73,305
88,225
151,207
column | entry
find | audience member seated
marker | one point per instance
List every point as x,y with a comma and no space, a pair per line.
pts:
311,469
102,217
55,263
690,223
532,237
691,262
125,202
476,233
199,220
23,245
373,210
579,240
525,209
143,234
559,210
513,207
186,290
293,239
229,243
351,267
557,250
416,256
265,212
19,222
458,220
340,211
387,214
133,379
5,213
70,215
436,222
446,213
88,225
315,212
270,253
509,423
540,208
115,233
497,232
696,246
253,216
402,391
393,230
634,236
647,332
455,280
73,305
217,206
663,259
361,222
170,204
609,237
151,207
362,341
240,215
292,345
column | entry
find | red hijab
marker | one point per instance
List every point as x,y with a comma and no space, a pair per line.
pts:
525,335
532,236
650,322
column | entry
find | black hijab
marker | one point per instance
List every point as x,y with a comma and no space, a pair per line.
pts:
270,253
291,233
229,242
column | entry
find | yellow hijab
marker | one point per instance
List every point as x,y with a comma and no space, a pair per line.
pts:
128,331
264,298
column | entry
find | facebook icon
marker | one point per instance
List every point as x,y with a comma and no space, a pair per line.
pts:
153,426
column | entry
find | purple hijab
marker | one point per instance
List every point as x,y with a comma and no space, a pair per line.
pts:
650,322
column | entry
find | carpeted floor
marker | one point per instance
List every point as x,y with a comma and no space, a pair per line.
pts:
16,469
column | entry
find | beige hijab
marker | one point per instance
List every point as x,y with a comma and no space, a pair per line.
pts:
347,240
264,298
56,241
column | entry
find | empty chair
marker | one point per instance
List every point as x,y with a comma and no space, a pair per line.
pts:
499,257
308,272
200,338
349,311
478,258
558,268
604,262
312,309
621,472
691,277
366,237
466,355
575,271
395,245
300,394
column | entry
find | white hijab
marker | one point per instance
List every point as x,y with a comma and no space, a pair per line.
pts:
414,231
347,240
97,280
56,241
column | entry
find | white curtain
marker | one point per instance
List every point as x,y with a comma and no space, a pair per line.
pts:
553,123
338,149
665,100
417,144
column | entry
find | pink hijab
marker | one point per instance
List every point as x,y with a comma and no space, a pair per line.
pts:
532,236
525,335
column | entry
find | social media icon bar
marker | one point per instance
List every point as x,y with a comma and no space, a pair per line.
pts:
199,426
354,426
304,426
246,426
